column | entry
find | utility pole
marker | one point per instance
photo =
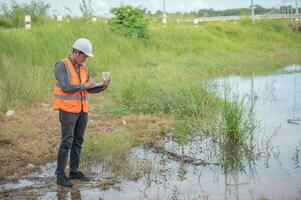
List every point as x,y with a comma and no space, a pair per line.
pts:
281,9
253,12
297,11
164,19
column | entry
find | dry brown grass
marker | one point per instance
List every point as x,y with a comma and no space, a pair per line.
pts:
32,134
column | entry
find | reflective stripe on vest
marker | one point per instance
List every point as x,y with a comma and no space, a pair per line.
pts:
70,97
74,102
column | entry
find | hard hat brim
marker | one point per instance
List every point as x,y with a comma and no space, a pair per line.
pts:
90,55
87,54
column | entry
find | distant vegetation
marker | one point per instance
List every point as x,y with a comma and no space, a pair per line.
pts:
259,10
86,8
12,15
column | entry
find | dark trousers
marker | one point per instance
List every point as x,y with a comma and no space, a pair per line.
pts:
73,127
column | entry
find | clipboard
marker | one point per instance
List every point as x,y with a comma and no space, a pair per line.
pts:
96,86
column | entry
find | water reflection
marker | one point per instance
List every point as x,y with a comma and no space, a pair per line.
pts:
296,157
63,194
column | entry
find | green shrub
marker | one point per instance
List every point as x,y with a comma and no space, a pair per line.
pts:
130,21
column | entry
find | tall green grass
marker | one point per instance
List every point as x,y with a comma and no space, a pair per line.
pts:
112,150
161,75
110,147
20,85
236,135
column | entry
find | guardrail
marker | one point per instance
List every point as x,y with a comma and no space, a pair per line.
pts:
236,18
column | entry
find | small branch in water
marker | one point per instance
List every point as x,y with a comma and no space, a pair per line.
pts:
182,158
296,156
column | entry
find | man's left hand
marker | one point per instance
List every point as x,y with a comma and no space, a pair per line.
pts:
106,83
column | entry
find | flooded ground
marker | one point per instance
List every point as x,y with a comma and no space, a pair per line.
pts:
271,171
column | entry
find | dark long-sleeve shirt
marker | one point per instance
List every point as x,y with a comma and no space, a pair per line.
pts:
61,75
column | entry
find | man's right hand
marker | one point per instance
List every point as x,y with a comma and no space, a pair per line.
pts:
90,83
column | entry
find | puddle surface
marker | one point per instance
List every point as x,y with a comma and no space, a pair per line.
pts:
274,173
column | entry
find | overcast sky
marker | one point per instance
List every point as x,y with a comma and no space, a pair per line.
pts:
102,7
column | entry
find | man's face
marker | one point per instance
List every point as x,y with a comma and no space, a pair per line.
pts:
79,57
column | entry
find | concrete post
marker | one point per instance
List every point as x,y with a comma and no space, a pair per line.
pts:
59,19
27,22
164,17
195,22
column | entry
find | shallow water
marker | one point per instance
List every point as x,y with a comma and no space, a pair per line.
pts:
273,172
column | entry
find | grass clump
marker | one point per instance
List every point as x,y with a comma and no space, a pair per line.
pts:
110,148
236,139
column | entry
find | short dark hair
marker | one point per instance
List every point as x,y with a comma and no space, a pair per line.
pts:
74,50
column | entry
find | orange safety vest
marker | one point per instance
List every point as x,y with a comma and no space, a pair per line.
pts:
73,102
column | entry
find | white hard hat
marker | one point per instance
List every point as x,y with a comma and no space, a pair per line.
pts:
84,45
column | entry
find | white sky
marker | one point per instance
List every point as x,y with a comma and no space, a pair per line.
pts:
102,7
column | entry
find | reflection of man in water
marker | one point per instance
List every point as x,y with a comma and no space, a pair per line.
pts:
62,194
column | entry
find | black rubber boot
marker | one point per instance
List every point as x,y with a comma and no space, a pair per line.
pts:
79,175
64,181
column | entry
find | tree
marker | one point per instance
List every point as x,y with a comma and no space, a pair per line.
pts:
86,8
130,21
38,8
158,13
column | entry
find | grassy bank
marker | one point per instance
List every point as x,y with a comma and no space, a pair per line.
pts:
157,85
161,75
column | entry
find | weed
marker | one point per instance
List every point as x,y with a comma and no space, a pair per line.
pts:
236,139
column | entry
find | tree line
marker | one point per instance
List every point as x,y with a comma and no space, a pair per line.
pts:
12,14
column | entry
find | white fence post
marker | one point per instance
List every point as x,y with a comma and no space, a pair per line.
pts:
196,22
27,22
59,19
164,19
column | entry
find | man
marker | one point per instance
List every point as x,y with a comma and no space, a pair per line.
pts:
73,83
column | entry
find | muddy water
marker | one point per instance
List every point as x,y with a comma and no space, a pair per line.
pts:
273,171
